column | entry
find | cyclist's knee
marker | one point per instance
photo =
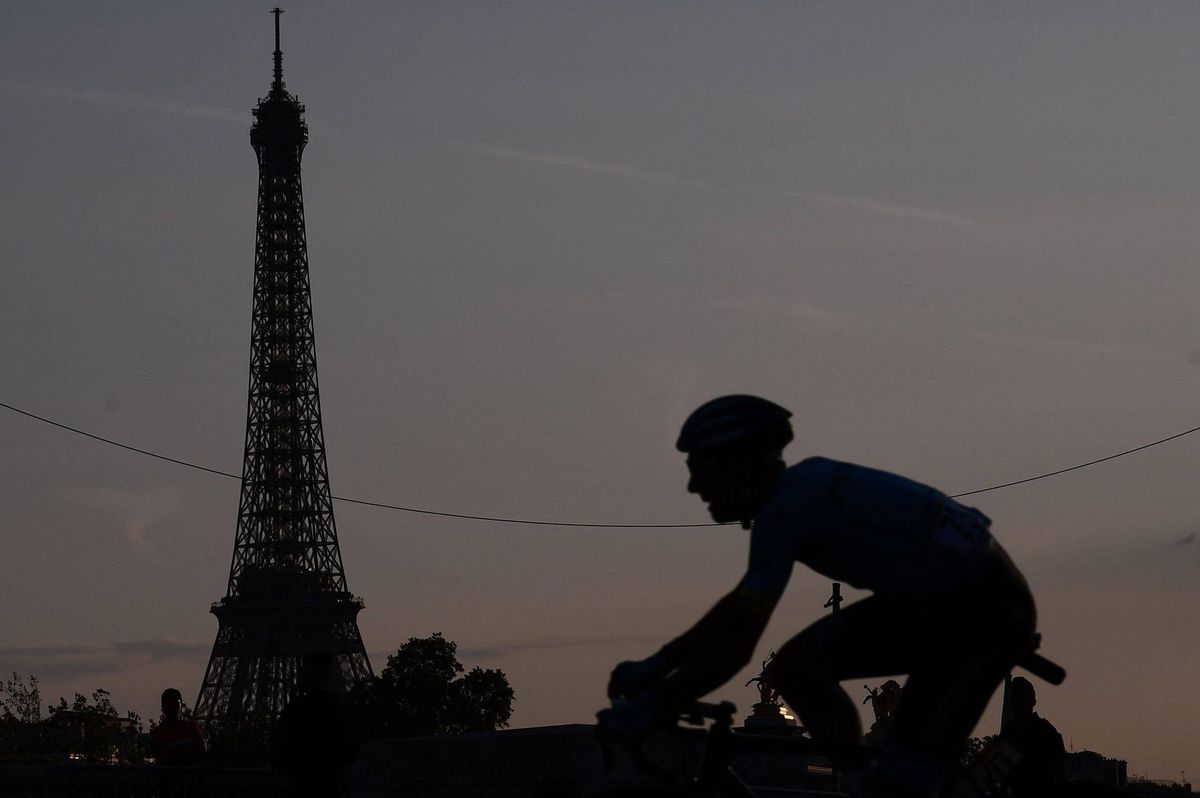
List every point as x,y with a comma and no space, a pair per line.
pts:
800,664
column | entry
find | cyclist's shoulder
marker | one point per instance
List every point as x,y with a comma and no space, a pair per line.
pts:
820,466
798,488
814,468
809,479
817,469
817,472
824,485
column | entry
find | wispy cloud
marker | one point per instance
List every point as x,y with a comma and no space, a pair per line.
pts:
1067,344
895,209
869,205
120,100
581,165
137,510
82,660
1161,555
776,305
884,208
510,648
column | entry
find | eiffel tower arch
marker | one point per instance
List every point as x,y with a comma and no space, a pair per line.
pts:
287,595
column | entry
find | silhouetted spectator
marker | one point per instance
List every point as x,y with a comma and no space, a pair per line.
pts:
177,741
1035,739
314,742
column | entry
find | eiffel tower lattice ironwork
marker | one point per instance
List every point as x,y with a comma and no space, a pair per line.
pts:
287,594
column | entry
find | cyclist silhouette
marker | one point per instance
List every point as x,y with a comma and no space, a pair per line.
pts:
948,607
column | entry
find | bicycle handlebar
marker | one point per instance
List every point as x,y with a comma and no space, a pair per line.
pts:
699,711
693,715
719,744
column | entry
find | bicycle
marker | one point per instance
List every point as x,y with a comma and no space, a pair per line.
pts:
719,744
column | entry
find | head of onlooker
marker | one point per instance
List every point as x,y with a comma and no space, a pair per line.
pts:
176,741
172,704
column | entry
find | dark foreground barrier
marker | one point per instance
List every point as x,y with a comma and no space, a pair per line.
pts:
136,781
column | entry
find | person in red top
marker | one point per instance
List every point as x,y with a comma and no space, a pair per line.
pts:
177,741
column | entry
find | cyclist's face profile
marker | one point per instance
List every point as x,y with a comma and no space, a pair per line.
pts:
717,484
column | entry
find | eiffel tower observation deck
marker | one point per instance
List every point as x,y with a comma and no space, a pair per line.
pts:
287,595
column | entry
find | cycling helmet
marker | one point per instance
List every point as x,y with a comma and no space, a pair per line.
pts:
735,419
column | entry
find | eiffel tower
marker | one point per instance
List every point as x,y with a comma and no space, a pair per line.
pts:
287,594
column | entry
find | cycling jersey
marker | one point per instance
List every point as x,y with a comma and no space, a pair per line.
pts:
870,529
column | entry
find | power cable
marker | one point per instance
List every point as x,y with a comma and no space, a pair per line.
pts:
118,444
502,520
363,502
1077,467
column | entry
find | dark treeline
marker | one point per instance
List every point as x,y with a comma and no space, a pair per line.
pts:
423,690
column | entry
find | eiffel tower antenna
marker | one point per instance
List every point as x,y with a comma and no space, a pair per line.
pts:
287,595
277,84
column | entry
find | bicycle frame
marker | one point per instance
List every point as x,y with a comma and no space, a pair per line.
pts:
715,775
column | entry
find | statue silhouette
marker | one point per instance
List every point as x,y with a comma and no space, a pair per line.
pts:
314,742
1036,740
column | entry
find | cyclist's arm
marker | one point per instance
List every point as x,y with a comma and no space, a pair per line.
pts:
723,641
712,651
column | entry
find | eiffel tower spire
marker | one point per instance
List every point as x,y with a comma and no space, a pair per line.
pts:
277,84
287,595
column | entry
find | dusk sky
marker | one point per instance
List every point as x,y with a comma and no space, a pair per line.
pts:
958,240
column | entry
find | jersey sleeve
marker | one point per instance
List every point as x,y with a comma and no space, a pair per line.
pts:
772,556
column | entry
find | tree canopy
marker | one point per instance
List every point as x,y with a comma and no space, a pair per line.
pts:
87,729
425,690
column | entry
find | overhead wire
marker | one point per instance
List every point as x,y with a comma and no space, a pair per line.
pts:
364,502
535,522
1077,467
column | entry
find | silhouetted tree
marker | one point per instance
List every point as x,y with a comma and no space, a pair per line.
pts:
240,741
88,729
94,730
424,690
22,736
974,748
19,701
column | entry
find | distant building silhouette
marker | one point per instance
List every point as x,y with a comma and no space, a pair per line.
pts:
287,594
1089,767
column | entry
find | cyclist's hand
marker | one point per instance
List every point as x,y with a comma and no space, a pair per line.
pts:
632,677
628,721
